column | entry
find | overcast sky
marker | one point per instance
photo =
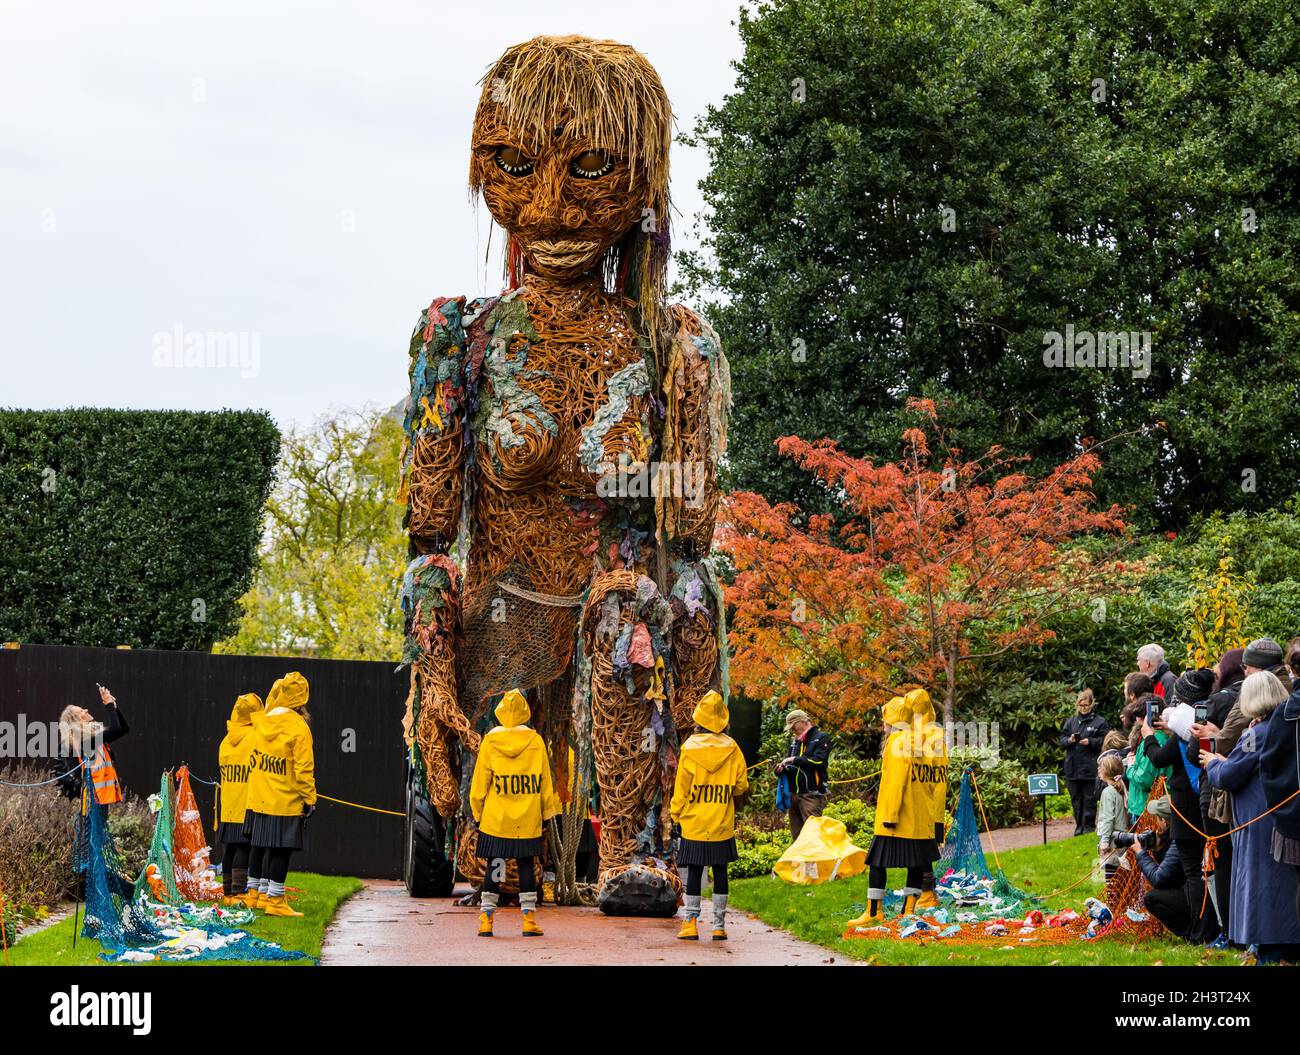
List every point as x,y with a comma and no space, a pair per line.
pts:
290,173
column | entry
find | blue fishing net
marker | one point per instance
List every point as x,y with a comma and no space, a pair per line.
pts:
133,929
962,872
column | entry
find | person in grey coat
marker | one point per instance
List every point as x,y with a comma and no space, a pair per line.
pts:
1263,890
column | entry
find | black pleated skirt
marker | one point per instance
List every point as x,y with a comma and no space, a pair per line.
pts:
232,834
275,833
489,847
587,840
891,851
698,852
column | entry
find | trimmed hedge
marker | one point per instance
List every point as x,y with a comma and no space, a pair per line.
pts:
130,527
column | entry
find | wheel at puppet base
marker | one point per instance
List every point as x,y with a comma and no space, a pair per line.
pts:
638,891
425,868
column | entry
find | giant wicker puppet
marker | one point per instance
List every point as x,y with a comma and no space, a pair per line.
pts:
562,447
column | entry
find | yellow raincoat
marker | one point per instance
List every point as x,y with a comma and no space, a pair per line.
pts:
282,763
914,771
923,712
710,774
232,758
512,791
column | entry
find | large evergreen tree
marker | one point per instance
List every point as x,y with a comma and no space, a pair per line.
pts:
905,196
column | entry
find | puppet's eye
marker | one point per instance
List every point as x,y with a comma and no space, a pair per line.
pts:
592,164
512,160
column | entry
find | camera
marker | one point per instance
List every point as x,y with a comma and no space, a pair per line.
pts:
1123,840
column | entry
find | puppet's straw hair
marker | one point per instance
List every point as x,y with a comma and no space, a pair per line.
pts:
608,93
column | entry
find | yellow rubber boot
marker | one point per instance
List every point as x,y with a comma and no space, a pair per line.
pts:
719,934
909,904
485,924
279,906
690,930
259,901
871,917
928,899
531,929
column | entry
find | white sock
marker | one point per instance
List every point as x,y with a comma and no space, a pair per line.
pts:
488,902
253,884
719,911
875,894
692,906
262,884
274,889
528,900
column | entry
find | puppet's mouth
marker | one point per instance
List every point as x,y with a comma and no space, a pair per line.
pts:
562,254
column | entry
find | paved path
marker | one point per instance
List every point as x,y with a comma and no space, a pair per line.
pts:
382,925
1029,834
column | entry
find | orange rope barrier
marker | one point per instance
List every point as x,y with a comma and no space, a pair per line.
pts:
1212,841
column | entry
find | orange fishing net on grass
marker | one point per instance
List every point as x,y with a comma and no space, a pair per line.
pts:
1124,893
190,850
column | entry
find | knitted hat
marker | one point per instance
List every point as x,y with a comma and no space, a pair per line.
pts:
1193,686
1263,653
711,712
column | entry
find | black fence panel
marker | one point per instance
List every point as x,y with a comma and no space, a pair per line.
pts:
177,705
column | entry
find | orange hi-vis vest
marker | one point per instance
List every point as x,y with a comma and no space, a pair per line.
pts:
103,777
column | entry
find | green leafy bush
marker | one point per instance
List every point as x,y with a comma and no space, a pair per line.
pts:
130,527
1003,788
759,850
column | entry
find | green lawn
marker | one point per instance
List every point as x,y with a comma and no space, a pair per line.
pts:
819,914
318,898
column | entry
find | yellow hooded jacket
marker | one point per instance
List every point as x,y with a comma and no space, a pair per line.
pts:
924,713
710,774
512,792
232,758
282,763
913,774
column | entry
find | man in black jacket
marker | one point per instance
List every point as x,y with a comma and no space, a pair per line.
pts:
805,767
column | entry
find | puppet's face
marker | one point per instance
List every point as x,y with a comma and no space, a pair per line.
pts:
563,199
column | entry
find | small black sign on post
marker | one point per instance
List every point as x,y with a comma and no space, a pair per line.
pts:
1042,785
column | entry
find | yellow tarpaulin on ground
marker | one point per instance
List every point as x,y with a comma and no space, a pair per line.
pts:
822,852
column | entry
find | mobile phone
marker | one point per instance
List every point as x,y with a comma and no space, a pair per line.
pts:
1202,712
1207,744
1153,712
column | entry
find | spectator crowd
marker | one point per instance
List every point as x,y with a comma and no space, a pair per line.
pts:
1223,858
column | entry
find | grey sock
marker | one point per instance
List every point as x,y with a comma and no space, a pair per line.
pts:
692,906
528,900
719,911
488,902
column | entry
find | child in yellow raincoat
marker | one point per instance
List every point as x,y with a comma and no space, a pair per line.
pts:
711,775
232,793
910,805
511,796
281,790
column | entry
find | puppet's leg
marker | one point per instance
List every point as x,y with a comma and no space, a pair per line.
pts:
625,628
696,625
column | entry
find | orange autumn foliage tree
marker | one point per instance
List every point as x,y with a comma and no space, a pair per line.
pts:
933,562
